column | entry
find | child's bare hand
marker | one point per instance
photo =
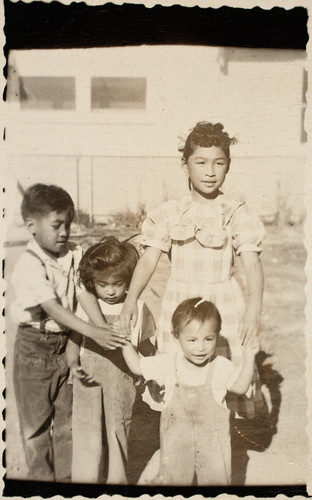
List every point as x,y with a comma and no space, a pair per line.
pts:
128,318
86,379
109,338
90,380
251,346
127,344
78,372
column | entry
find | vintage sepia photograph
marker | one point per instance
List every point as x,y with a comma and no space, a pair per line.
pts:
154,255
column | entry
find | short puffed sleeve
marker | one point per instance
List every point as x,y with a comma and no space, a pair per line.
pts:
155,228
247,230
224,375
30,282
157,368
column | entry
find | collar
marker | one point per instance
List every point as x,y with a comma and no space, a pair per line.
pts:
63,261
228,202
181,365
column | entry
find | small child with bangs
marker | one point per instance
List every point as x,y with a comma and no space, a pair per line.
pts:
103,387
195,444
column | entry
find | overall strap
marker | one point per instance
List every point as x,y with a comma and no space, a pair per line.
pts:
211,367
177,378
43,314
210,370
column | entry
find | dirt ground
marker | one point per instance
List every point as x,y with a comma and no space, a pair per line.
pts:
272,451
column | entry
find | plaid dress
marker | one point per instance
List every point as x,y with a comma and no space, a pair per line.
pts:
201,240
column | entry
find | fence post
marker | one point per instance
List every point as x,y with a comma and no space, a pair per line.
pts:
78,184
91,193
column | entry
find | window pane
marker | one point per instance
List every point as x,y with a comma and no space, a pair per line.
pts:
118,93
47,92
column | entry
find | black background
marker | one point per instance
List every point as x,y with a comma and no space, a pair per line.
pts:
40,25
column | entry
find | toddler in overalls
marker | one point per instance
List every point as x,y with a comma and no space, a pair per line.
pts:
195,445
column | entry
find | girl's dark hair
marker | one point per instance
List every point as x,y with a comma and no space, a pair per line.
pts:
187,312
41,199
110,256
205,135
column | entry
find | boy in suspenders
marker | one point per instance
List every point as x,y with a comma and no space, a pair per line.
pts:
44,282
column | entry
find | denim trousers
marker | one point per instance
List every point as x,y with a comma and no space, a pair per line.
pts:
102,414
44,403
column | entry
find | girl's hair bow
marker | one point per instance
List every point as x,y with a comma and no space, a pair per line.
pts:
200,302
182,139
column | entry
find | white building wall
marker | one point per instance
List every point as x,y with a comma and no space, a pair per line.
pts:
116,159
263,94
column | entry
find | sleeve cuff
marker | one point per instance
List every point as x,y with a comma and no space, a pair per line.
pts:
232,378
34,301
248,248
154,244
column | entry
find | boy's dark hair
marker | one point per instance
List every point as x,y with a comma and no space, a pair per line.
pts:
205,135
41,199
110,256
187,312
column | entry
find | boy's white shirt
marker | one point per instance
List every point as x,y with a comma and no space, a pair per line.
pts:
37,280
115,310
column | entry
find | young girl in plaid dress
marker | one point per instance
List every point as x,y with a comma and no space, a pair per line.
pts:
202,233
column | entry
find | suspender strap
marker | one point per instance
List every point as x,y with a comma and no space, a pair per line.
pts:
43,314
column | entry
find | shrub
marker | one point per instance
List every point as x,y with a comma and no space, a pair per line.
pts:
82,218
129,219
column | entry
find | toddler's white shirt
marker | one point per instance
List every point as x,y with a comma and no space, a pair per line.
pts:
162,369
